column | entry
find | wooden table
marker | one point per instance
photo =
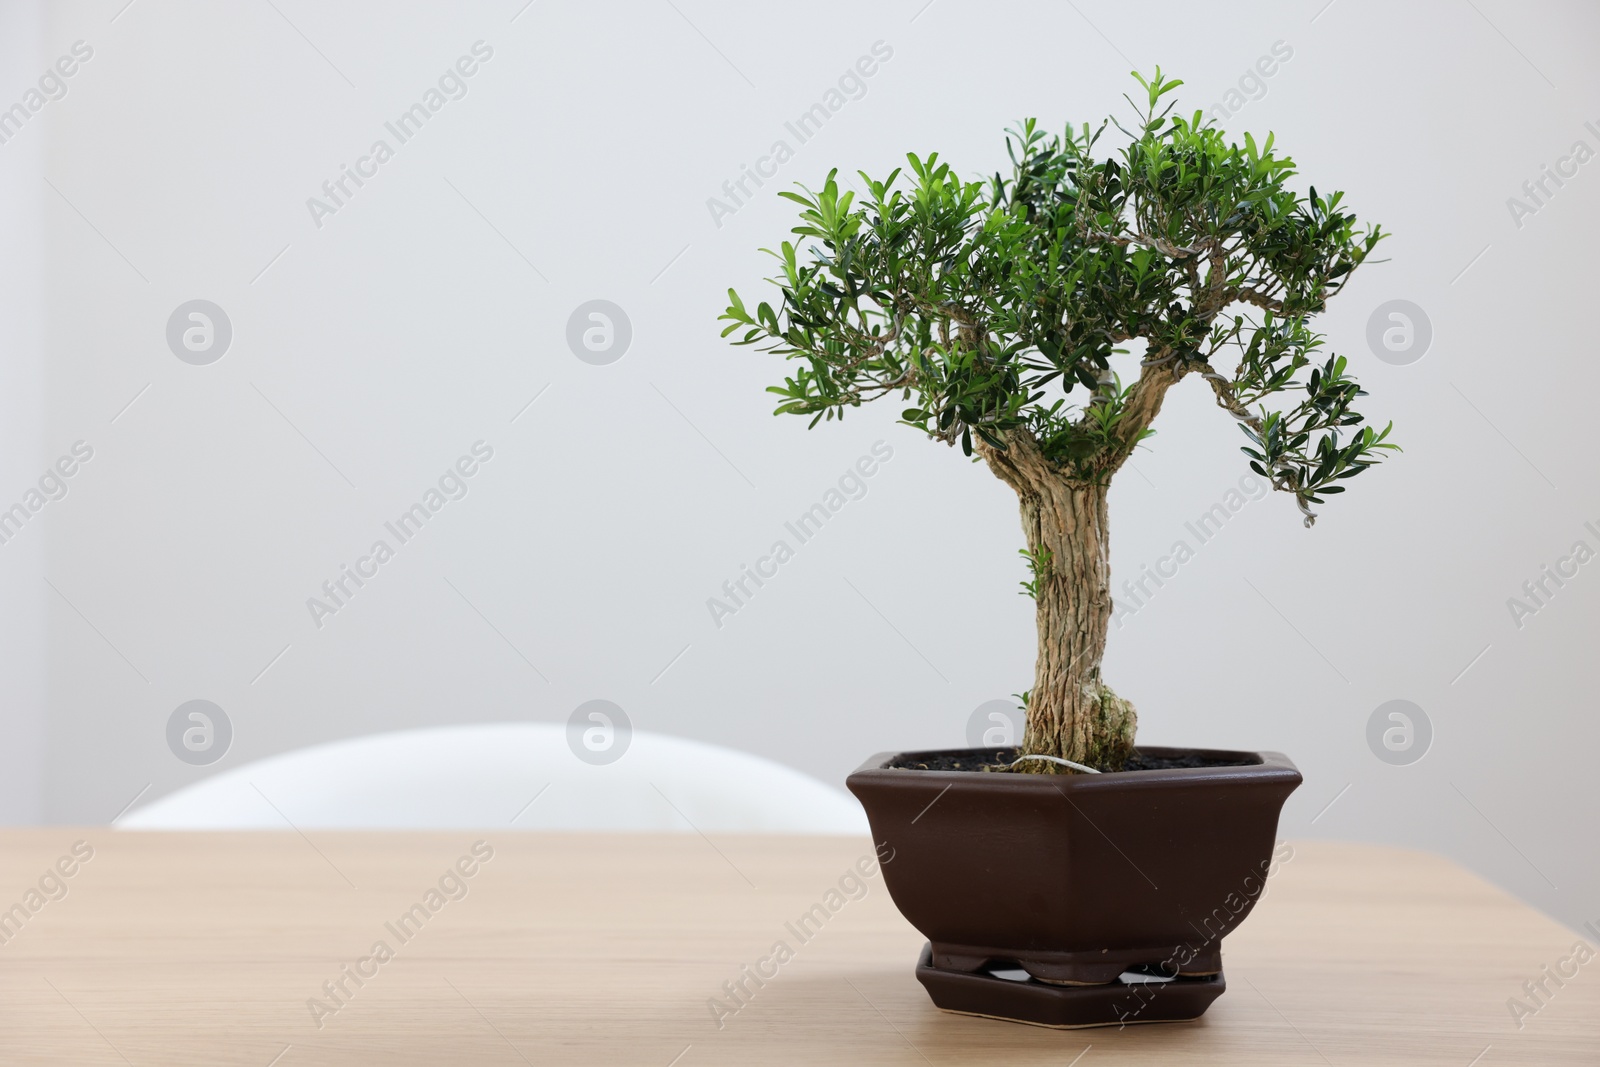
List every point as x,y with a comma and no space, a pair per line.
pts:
207,949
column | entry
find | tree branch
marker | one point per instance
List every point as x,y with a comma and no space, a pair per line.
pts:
1144,402
1259,299
1166,248
1228,400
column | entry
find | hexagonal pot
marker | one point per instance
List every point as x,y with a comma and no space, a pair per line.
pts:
1076,879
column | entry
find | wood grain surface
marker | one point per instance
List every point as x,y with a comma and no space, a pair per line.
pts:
214,948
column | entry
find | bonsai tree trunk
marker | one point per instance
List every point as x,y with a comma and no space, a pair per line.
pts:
1072,714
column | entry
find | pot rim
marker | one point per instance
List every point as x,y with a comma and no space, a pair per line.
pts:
1268,766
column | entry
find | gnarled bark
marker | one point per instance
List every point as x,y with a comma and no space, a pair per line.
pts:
1072,713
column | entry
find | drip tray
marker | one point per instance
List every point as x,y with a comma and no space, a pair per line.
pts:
1011,995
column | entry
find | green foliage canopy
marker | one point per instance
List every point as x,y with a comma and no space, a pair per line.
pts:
986,305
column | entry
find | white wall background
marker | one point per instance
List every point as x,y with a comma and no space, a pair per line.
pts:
369,353
23,420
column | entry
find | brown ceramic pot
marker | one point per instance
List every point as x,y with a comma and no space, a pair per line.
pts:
1077,878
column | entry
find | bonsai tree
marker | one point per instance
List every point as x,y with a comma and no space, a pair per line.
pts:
994,310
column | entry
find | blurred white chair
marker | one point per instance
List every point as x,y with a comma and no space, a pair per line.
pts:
507,775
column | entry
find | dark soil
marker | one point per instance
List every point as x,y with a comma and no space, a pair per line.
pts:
999,760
